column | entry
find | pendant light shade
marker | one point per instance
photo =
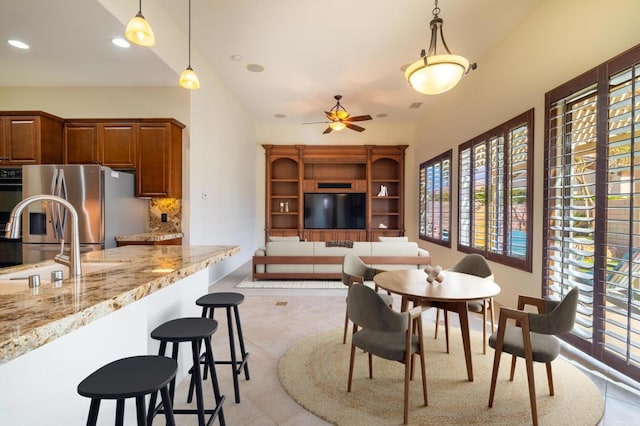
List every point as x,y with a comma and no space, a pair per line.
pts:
188,78
139,31
435,73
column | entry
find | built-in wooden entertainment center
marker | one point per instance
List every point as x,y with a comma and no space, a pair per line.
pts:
295,170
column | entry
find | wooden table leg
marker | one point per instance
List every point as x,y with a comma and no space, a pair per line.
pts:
461,308
463,313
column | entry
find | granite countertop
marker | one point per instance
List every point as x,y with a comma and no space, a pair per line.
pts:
150,236
31,319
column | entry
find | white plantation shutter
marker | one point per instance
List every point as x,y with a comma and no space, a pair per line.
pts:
592,207
495,193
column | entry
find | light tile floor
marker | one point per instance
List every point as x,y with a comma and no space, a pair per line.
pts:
270,328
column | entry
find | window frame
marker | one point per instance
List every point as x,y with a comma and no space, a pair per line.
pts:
422,202
503,214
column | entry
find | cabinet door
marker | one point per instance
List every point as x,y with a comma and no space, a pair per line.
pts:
22,144
3,157
80,143
154,160
117,145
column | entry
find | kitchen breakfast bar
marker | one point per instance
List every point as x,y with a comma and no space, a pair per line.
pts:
53,336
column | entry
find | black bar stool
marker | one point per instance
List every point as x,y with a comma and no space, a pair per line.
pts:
209,303
197,331
132,377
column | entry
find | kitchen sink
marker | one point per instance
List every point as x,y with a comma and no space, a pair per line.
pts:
18,281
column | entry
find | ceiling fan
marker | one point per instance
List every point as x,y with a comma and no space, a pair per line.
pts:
339,118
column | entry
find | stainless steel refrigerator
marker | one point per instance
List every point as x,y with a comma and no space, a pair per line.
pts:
104,199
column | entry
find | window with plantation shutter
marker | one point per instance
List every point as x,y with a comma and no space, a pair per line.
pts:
592,207
435,194
495,188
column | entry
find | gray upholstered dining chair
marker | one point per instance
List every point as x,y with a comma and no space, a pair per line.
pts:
472,264
387,334
533,337
354,270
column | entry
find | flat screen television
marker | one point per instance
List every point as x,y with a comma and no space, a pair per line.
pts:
335,210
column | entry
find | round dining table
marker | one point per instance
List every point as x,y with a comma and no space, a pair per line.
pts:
452,294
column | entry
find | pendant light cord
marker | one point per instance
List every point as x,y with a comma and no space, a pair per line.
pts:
189,33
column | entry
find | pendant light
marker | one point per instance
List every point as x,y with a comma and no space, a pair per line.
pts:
433,74
139,31
189,79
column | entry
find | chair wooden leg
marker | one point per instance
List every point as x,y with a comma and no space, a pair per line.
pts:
422,363
532,388
496,359
435,336
550,379
346,326
513,367
491,306
370,365
484,327
446,328
407,372
351,359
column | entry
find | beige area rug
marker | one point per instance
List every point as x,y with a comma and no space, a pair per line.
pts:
302,284
315,373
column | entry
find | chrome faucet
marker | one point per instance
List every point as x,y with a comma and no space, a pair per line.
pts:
12,230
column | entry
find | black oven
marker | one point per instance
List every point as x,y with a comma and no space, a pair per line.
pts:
10,195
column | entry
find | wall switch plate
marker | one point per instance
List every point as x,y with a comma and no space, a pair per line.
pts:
163,217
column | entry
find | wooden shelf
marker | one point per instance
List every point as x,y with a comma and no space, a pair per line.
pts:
293,170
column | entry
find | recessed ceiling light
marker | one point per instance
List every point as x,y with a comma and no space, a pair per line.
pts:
19,44
382,115
279,115
255,67
236,58
120,42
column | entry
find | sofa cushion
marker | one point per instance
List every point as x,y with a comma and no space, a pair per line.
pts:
321,249
383,239
303,248
394,249
282,239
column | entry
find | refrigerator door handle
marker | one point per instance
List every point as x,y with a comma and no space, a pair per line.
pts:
61,191
52,209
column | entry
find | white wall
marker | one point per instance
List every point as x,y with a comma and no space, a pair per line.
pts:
535,58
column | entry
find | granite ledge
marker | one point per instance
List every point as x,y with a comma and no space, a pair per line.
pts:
149,236
28,321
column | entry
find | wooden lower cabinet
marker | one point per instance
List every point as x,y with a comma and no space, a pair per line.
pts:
335,235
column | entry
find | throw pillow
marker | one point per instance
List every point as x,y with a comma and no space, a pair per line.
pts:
393,239
284,239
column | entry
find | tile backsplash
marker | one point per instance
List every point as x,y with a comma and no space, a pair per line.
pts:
172,207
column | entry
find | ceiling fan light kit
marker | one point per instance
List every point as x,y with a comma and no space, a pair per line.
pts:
340,119
433,74
139,31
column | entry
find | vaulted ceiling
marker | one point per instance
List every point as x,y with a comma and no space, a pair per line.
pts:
310,50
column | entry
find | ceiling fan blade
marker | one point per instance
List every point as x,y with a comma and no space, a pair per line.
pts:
354,127
360,118
330,115
328,130
317,122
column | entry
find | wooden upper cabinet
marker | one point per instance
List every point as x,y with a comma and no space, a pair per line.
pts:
30,137
117,144
159,160
150,146
112,144
81,143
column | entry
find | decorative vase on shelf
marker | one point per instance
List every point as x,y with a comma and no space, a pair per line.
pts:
383,191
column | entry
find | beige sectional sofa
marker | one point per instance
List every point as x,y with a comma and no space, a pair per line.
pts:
294,259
